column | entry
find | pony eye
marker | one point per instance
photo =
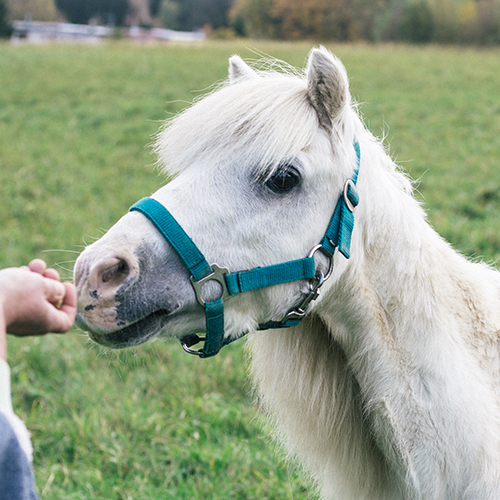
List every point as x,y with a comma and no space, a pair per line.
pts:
283,181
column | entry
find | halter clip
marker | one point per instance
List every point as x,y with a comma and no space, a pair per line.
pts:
298,312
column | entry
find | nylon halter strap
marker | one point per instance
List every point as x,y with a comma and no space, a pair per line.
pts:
337,236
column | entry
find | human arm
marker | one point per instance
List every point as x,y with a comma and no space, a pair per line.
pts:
32,302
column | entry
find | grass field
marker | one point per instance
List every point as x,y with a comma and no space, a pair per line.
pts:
153,422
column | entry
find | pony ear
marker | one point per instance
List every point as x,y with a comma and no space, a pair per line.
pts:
327,85
239,70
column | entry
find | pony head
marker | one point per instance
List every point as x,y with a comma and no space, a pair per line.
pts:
257,167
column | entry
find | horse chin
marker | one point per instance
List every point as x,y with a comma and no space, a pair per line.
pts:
134,334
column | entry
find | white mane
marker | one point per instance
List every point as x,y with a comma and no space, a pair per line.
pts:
282,124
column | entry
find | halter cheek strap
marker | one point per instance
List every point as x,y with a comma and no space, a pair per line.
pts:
337,235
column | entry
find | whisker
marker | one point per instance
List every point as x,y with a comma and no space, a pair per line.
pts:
59,250
67,269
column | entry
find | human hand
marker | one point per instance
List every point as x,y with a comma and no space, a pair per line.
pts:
33,301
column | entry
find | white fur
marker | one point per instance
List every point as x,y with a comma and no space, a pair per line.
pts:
390,388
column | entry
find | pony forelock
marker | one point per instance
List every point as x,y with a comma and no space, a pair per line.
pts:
264,121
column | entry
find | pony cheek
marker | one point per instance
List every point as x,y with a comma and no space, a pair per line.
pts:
241,317
248,312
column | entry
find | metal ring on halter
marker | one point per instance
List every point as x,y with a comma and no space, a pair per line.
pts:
218,276
347,201
330,260
190,340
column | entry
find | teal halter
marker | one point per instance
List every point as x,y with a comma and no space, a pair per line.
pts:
337,235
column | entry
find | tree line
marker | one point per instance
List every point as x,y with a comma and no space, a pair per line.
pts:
418,21
186,15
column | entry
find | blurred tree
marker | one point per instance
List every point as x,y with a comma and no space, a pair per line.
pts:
293,19
255,18
217,12
446,20
238,25
37,10
81,11
155,7
488,22
387,24
139,14
194,14
417,24
303,18
5,26
169,14
113,11
343,20
78,12
416,21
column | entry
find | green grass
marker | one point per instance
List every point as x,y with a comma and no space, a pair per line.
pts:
154,422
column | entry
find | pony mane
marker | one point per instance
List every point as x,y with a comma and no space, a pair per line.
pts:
264,120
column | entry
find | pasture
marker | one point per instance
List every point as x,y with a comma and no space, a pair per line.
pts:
153,422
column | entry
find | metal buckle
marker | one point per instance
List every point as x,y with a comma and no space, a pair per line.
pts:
347,201
218,276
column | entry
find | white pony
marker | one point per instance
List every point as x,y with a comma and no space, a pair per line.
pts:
389,388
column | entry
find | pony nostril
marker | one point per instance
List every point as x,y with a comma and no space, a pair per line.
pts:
117,273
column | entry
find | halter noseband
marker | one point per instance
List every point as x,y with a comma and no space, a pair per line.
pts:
337,235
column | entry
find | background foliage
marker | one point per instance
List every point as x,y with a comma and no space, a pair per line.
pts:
81,12
417,21
444,21
5,25
153,422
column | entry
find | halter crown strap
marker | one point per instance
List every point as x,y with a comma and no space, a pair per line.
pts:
337,235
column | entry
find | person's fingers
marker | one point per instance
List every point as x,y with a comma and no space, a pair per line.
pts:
40,267
62,319
55,292
52,274
59,321
37,266
70,297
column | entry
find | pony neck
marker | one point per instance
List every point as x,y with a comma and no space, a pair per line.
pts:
400,315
